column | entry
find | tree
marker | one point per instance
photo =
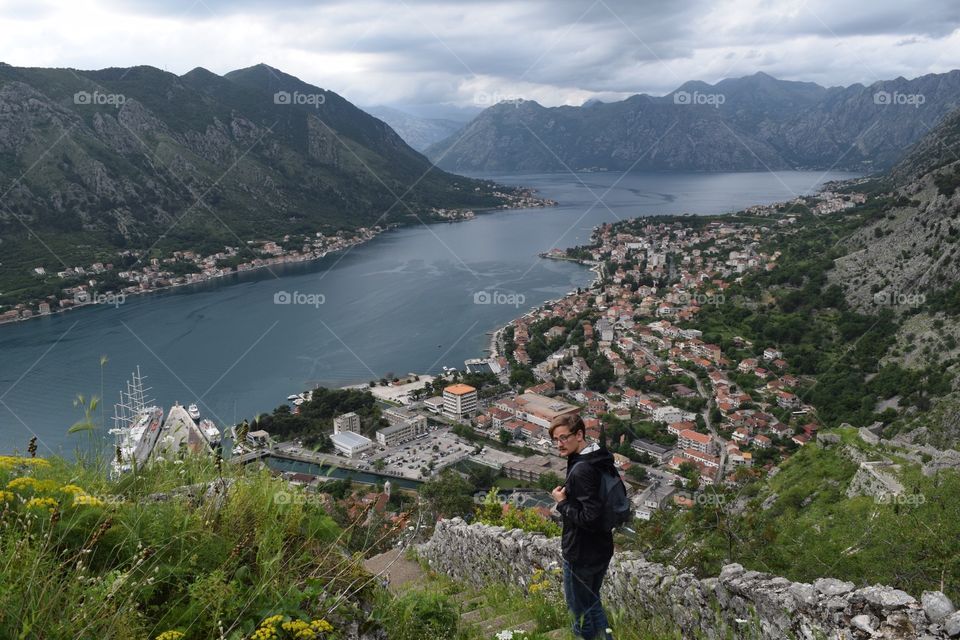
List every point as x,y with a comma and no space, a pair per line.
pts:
638,473
522,377
481,476
549,481
379,464
505,437
448,494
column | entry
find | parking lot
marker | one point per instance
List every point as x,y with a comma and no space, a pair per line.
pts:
438,449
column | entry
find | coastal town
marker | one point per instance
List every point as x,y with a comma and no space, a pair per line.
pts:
683,407
133,272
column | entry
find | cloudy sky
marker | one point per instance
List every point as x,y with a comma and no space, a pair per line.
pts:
410,52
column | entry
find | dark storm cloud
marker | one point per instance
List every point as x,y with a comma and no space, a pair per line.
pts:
555,51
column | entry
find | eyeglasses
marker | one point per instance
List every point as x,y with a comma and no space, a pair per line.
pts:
562,438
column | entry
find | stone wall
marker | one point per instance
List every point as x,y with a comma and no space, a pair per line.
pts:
736,604
872,479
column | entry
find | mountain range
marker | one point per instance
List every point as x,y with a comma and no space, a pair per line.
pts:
93,161
418,132
752,123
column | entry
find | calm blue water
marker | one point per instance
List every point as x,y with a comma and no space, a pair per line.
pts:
403,302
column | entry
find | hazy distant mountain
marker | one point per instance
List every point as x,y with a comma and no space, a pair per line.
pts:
95,160
751,123
417,132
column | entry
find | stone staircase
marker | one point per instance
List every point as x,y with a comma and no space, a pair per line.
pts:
481,621
477,618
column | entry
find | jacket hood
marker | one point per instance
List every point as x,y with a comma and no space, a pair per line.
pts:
601,459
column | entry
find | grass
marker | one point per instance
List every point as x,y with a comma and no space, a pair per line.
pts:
808,528
84,556
542,602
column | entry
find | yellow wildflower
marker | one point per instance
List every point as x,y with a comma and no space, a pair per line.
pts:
321,626
73,489
9,462
25,482
6,496
42,503
170,635
265,633
272,621
29,482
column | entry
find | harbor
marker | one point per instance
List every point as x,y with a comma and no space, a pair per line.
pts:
142,434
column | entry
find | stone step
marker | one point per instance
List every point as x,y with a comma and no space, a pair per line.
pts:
473,603
476,616
513,620
394,567
468,599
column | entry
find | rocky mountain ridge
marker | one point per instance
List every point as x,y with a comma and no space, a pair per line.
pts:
130,158
753,123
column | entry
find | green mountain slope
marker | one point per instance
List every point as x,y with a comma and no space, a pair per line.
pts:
94,161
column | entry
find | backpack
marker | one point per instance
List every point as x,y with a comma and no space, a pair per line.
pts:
617,510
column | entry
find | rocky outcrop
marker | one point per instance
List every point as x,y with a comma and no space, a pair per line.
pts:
736,604
875,479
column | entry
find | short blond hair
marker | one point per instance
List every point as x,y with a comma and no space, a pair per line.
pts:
571,421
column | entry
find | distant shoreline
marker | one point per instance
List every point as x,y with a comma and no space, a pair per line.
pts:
293,260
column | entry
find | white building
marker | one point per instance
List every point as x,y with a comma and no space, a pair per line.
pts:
404,425
346,422
350,444
654,497
459,401
434,404
672,414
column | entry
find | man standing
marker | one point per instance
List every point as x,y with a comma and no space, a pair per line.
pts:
587,548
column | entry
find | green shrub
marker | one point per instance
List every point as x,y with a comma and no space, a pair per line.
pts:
420,615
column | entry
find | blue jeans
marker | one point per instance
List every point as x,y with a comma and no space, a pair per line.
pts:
581,588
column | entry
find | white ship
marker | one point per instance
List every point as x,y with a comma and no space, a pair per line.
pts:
137,425
194,412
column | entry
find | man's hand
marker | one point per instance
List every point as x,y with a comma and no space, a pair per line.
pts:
559,494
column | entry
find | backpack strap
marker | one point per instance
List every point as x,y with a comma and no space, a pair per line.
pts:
577,464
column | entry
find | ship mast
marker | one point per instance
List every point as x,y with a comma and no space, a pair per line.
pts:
132,403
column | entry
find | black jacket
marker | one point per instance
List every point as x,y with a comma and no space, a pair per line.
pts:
583,543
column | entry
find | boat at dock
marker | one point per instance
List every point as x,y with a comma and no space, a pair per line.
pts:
136,426
210,432
142,433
